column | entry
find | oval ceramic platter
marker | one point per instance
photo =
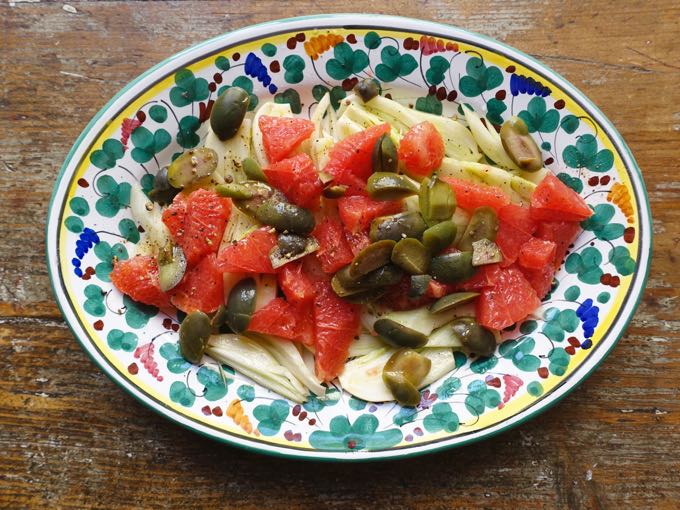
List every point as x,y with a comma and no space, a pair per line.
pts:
430,67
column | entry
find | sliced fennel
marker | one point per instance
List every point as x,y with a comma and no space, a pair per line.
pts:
232,152
287,353
265,290
488,140
150,216
365,344
273,110
461,220
256,362
421,320
442,363
444,337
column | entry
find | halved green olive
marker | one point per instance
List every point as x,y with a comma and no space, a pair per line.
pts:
390,186
452,300
385,158
410,255
485,252
475,337
398,226
403,373
483,225
162,192
436,200
246,190
384,276
279,257
228,112
367,89
369,259
520,146
253,170
334,191
452,267
241,305
440,236
219,318
399,335
285,217
192,165
419,285
194,334
172,265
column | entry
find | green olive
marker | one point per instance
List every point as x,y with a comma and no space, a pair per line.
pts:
385,158
436,200
369,259
291,244
485,252
419,285
440,236
483,225
452,301
520,146
452,267
162,193
241,305
253,170
384,276
192,165
228,112
172,265
285,217
219,318
398,226
403,373
410,255
399,335
390,186
281,256
367,89
246,190
194,334
475,337
334,191
367,296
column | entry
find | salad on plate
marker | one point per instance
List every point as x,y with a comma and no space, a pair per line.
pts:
363,245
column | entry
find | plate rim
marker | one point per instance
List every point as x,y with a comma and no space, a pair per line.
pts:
360,20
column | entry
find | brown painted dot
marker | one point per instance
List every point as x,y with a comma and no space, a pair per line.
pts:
83,183
432,90
212,86
559,104
141,116
593,181
604,180
303,415
629,234
236,56
408,43
175,327
500,95
543,373
605,279
99,325
549,161
452,96
312,422
291,43
574,341
133,368
415,45
301,37
86,276
217,78
217,411
351,444
275,67
89,270
441,93
510,69
615,282
570,350
205,410
352,39
296,409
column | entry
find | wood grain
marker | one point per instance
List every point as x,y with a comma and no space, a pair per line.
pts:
69,438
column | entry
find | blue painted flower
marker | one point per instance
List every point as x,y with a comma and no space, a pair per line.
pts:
589,316
86,240
256,69
520,84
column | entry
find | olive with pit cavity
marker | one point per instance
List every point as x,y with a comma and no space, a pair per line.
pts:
385,157
398,334
191,166
403,373
483,225
436,200
440,236
285,217
369,259
172,265
253,170
520,146
410,255
474,336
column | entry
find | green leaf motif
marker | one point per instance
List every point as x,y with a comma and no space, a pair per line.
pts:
246,392
137,315
357,404
107,253
479,78
79,206
573,182
188,88
345,62
599,223
291,97
441,418
294,66
569,124
94,304
586,265
222,63
538,118
158,113
181,394
449,387
404,416
585,155
119,340
394,65
271,417
559,361
115,196
624,263
484,364
147,183
176,363
481,397
315,404
436,73
459,359
528,327
360,435
128,229
494,110
572,293
215,385
429,104
519,352
147,145
337,94
112,150
74,224
186,134
372,40
269,49
558,323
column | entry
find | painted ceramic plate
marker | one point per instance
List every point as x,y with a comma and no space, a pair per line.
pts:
430,67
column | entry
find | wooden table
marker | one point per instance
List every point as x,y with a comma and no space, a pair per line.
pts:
69,438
